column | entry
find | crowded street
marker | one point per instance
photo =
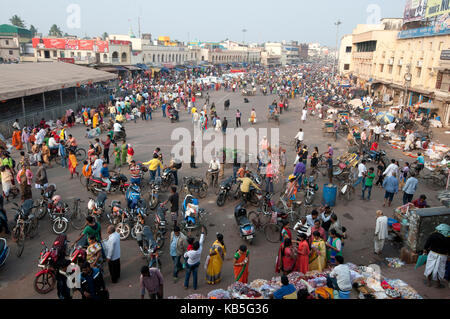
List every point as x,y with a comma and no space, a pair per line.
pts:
356,215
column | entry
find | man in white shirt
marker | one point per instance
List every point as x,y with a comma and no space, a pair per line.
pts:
299,137
16,125
214,167
302,226
40,137
96,168
362,171
117,127
52,144
192,258
339,278
392,168
112,247
218,124
377,131
381,232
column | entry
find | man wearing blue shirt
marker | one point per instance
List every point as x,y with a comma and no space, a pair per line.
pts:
104,175
390,184
286,289
420,162
410,188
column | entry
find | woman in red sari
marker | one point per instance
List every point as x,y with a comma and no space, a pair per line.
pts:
286,257
240,265
303,254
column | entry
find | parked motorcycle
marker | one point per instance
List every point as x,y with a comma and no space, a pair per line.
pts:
150,246
49,261
246,228
374,156
310,190
115,213
160,221
173,115
137,207
58,213
118,183
195,185
153,197
225,191
96,207
42,203
167,179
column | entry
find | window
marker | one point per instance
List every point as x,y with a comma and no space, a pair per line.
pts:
72,54
346,67
105,57
55,54
418,72
399,70
124,57
79,54
153,57
390,69
381,68
89,54
348,49
7,42
368,46
11,52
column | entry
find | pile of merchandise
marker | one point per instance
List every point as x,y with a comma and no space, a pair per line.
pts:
394,262
369,283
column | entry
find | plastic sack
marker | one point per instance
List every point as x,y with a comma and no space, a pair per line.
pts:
421,260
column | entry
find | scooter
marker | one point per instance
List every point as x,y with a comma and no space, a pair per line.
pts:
96,207
4,251
246,228
225,191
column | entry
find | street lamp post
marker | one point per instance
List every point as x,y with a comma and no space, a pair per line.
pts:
337,24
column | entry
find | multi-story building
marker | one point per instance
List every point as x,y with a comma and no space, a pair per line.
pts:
270,60
289,52
345,54
403,66
303,52
13,42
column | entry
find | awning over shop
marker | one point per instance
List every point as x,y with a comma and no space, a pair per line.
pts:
132,68
107,69
120,68
26,79
142,66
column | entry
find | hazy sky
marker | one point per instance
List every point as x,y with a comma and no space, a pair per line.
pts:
265,20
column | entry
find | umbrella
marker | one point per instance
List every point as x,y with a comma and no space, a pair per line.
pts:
356,103
385,117
368,109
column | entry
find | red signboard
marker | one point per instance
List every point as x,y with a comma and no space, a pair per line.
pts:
67,60
119,42
71,44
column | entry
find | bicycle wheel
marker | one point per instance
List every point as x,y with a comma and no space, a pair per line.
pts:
83,180
34,225
272,232
78,218
80,154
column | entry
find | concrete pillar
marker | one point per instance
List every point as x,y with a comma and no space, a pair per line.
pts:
43,100
60,96
23,107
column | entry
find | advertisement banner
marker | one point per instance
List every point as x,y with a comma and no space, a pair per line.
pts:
101,47
415,10
72,44
86,45
437,7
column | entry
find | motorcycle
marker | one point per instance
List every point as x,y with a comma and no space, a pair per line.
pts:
153,197
137,207
310,190
246,228
118,182
167,179
50,258
225,191
96,207
149,246
43,202
58,217
160,221
4,251
115,214
173,115
374,156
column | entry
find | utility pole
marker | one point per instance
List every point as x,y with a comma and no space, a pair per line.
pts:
243,32
139,26
337,24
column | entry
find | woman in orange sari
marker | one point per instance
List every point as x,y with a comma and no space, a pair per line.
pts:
303,254
85,117
240,265
17,140
73,164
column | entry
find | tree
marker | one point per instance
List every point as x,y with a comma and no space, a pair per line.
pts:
33,30
17,21
55,31
105,35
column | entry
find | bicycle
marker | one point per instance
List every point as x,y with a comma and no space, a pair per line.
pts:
78,217
209,176
26,226
346,189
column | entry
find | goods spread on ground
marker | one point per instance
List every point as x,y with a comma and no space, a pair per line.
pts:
367,283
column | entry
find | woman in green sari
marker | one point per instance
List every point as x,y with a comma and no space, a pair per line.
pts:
117,156
123,151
